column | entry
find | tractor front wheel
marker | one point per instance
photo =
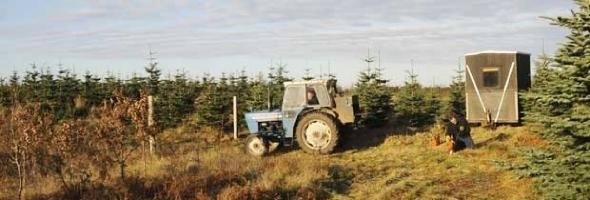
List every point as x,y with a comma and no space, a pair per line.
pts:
256,145
317,133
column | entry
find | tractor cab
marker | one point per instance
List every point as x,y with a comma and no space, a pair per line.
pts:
315,94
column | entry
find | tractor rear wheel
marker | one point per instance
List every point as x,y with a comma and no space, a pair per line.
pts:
256,145
317,133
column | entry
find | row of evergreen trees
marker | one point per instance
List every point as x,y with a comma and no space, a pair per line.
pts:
67,96
410,105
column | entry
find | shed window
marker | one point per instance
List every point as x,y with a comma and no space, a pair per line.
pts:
491,77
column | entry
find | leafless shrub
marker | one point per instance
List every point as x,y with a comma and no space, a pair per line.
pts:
71,144
114,136
25,133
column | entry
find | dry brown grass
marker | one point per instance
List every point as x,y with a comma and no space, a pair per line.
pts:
193,163
407,167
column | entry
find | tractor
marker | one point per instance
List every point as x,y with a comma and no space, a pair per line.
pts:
313,114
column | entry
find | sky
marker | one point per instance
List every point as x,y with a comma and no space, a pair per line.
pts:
197,37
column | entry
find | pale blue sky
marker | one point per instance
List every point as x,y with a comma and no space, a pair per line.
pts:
227,36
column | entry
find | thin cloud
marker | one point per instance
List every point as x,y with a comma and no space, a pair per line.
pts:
432,32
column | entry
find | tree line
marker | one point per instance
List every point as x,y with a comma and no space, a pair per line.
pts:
207,100
67,96
409,105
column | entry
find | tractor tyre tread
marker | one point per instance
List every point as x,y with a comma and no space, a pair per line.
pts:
330,121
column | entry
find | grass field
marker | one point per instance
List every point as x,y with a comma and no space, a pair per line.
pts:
371,164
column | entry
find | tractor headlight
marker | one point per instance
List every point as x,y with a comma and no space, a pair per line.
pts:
263,124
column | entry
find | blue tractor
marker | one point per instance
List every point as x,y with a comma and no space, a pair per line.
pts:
312,113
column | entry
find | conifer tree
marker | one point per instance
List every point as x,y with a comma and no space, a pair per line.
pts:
257,94
456,102
544,75
374,98
111,85
411,103
175,101
207,79
276,78
31,85
15,93
68,88
5,94
214,104
91,90
560,103
184,93
47,94
134,86
565,88
165,105
224,101
154,73
433,105
242,92
14,78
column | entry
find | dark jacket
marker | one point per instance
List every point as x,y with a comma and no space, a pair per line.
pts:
459,130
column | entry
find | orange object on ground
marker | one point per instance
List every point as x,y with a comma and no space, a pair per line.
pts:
436,140
450,146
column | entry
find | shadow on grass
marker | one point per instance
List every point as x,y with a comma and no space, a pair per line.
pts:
359,139
498,138
186,186
365,138
339,181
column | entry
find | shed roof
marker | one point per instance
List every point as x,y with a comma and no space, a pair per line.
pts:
496,51
315,81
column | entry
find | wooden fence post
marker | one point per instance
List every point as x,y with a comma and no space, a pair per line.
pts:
235,118
151,138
